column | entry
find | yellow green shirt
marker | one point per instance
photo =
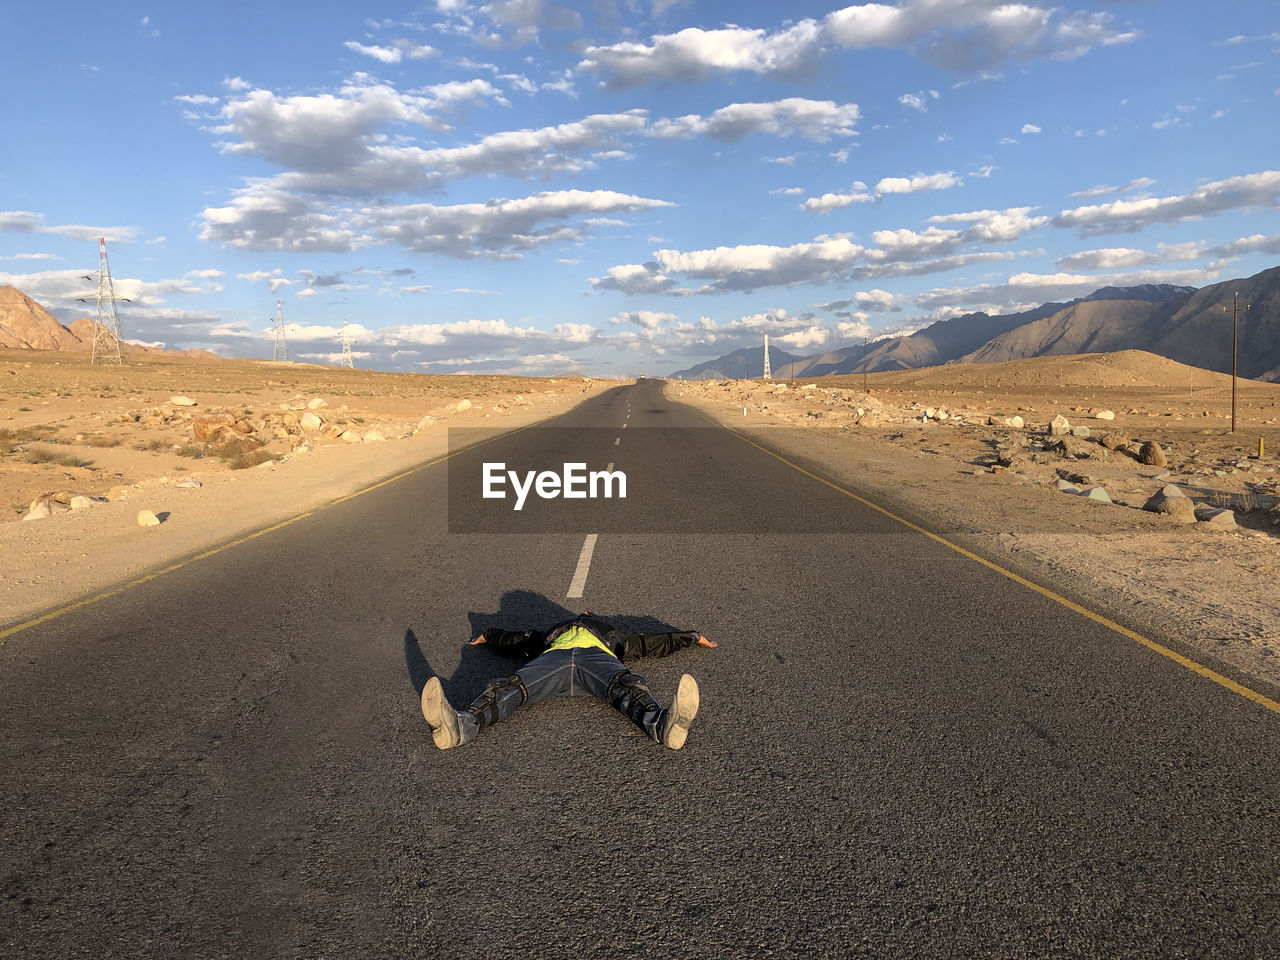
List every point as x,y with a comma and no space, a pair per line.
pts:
577,637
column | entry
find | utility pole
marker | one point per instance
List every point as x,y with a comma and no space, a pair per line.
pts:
768,373
282,347
1235,337
864,364
346,347
106,329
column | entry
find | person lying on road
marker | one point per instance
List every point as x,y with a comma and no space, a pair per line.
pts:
578,657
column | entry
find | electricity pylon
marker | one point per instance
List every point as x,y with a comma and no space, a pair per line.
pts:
768,375
346,348
282,348
106,329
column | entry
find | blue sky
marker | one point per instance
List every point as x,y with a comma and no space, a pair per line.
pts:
626,185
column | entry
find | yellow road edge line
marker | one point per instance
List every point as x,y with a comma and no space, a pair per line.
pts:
120,588
1178,658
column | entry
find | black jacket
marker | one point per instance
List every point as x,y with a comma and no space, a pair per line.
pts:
624,646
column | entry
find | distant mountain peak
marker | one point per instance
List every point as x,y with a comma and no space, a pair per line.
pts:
1150,292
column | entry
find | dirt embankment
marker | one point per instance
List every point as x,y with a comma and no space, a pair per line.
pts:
969,449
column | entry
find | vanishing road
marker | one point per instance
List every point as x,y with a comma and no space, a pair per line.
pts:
901,751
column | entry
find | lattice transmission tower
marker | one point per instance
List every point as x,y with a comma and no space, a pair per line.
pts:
282,347
346,360
106,328
768,375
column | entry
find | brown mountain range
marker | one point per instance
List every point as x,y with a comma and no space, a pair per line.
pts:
1181,323
26,325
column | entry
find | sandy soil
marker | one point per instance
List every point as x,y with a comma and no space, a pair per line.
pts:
113,438
1216,591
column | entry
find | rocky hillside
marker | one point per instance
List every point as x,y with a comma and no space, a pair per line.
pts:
26,325
1181,323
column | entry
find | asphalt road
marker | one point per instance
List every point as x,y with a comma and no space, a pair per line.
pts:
901,753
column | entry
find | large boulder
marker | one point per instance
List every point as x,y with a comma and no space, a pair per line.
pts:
1178,507
310,422
1152,454
1059,426
1216,518
204,428
1114,441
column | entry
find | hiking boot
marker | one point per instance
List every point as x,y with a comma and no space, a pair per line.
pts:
444,719
675,726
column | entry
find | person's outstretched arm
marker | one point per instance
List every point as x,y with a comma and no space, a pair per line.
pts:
661,644
512,642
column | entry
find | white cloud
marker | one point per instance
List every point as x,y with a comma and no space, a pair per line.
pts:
274,279
644,319
1139,183
961,35
994,226
32,256
1030,128
384,54
857,193
745,267
817,120
25,221
915,101
1126,216
498,228
1022,288
918,183
236,84
1257,243
198,99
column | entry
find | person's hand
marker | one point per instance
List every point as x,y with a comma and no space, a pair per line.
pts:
479,639
704,642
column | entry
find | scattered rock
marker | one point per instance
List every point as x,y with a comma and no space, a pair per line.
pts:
1152,454
148,519
120,491
316,403
350,436
1069,446
189,484
310,422
1067,487
1082,432
462,405
204,428
1216,518
1172,490
46,505
1098,493
1104,415
1059,426
1179,508
182,401
810,386
1015,422
81,503
373,436
427,421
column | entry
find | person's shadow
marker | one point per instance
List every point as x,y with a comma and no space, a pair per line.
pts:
517,610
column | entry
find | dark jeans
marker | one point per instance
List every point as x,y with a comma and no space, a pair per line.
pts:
572,672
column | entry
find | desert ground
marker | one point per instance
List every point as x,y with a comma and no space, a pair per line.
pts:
941,446
86,449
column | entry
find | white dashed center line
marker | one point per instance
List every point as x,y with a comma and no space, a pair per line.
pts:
584,565
616,441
